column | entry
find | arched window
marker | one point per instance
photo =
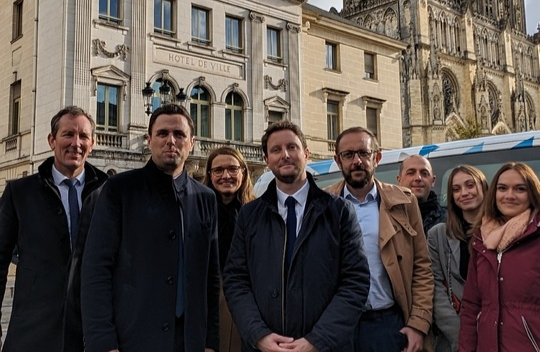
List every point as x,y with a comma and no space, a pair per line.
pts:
200,111
234,117
157,97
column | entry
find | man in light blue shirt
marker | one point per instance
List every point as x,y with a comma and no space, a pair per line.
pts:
47,219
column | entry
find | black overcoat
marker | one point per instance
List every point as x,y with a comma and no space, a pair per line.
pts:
46,314
130,265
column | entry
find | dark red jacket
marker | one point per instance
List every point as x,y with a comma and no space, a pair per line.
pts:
501,302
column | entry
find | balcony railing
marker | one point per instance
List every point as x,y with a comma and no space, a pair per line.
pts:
11,143
111,139
203,147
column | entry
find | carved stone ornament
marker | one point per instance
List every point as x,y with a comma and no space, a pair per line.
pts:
99,47
256,17
282,83
293,27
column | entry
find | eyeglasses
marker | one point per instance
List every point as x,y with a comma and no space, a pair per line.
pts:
348,155
233,170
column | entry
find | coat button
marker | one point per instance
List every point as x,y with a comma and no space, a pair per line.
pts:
399,258
274,293
172,235
59,211
165,327
170,280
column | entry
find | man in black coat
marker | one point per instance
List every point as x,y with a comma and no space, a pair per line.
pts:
296,277
35,216
150,272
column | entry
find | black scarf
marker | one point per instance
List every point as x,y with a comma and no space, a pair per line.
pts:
430,205
464,253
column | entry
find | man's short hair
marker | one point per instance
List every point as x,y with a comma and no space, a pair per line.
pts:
72,111
281,126
374,143
171,109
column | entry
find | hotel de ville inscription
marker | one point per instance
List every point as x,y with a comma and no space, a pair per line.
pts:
192,62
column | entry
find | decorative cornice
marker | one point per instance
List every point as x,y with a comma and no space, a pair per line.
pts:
282,83
99,47
257,17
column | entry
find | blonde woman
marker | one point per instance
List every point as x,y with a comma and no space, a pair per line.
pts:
448,249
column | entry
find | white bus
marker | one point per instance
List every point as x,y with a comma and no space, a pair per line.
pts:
486,153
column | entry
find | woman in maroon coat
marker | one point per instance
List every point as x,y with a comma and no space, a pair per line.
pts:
501,302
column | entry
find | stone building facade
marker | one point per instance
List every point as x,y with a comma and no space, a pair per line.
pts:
466,60
234,64
350,77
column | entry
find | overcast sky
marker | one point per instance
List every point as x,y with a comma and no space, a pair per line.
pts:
532,10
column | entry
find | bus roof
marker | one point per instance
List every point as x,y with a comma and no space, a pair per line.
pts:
430,151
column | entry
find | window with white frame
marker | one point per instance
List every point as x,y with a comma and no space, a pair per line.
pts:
109,11
233,34
200,111
331,56
234,117
108,107
15,108
273,44
164,17
200,26
370,69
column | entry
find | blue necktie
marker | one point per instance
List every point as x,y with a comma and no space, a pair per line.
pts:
290,202
73,201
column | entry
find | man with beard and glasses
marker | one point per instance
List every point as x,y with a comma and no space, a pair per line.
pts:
415,173
296,278
399,306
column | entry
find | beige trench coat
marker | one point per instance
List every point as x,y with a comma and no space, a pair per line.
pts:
404,253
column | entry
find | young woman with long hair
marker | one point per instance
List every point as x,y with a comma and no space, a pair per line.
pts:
227,173
448,247
501,299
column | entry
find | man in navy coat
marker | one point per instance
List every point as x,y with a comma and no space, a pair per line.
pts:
150,272
35,215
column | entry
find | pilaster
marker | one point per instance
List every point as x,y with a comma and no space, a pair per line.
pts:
257,83
294,73
82,78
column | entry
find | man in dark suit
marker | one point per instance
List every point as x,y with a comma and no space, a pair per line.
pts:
150,272
47,219
296,278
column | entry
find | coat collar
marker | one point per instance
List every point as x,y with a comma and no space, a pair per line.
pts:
93,175
315,193
391,195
